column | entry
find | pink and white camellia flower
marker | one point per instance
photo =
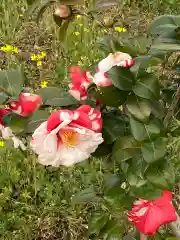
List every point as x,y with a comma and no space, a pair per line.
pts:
80,81
68,137
27,104
117,59
148,216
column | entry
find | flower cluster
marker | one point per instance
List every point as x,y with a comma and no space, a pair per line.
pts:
80,80
27,104
9,49
38,58
148,216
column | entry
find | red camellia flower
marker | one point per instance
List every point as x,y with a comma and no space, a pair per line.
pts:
27,104
68,137
80,81
148,216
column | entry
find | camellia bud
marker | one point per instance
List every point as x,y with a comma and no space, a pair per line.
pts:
63,11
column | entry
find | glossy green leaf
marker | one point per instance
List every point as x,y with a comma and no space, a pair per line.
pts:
147,87
15,122
117,98
139,166
147,191
154,150
102,150
3,97
12,81
161,21
84,196
111,180
96,222
166,28
56,97
138,108
124,148
113,127
157,109
113,230
166,46
161,176
134,180
142,63
142,131
121,77
36,119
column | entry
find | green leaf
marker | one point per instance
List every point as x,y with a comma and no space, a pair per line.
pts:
124,148
112,180
58,20
102,150
146,191
117,98
142,63
138,108
147,87
113,230
36,119
121,77
142,131
154,150
96,222
139,166
3,97
166,46
157,109
117,198
84,196
161,176
166,28
134,180
161,21
15,122
56,97
113,127
11,81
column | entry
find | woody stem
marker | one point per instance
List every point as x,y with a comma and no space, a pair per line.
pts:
175,227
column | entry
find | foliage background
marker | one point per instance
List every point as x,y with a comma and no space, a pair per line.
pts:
38,202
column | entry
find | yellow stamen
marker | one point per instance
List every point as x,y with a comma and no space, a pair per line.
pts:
69,138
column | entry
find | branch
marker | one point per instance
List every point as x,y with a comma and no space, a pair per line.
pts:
172,108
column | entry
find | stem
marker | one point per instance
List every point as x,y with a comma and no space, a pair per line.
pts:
175,227
172,108
142,236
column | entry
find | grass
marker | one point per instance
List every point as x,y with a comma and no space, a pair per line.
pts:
35,201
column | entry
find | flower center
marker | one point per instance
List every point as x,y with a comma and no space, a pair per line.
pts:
69,137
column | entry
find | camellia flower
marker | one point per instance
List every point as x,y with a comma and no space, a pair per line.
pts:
148,216
3,113
27,104
68,137
63,11
80,81
117,59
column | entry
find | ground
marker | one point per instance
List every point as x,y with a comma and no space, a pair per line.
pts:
35,201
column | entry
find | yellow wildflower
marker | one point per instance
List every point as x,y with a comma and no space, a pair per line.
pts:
21,15
78,16
39,63
43,54
80,24
1,144
33,57
44,84
121,108
120,29
76,33
9,48
86,29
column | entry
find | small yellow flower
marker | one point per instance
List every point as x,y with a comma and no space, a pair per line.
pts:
121,108
43,54
33,57
80,24
78,16
16,50
1,144
39,63
76,33
120,29
86,29
44,84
